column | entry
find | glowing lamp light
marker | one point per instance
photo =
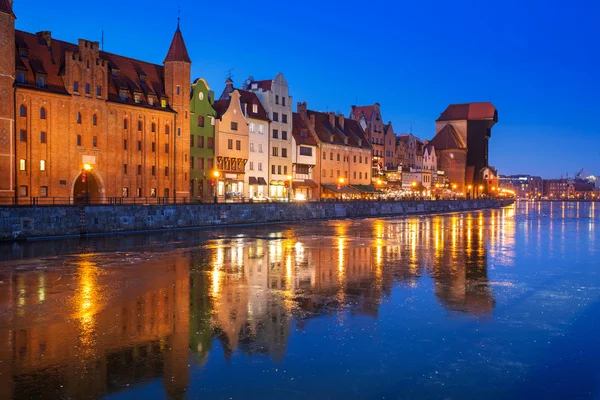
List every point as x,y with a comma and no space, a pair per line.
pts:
216,174
87,167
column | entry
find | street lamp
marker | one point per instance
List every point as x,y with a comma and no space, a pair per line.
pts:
480,191
86,168
340,183
289,188
379,184
469,192
216,175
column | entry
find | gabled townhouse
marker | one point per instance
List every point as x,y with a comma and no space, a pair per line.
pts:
389,138
275,98
231,147
344,162
429,169
369,118
202,139
305,147
257,167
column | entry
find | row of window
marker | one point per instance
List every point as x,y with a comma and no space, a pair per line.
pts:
275,152
251,166
200,142
79,119
199,163
260,147
261,128
284,118
238,144
360,174
139,170
284,135
278,169
345,158
277,100
23,165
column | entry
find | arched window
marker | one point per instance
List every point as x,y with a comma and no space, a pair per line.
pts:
23,110
95,119
79,118
153,127
42,113
166,129
125,123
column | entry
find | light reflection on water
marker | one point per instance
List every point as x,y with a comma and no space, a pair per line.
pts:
397,308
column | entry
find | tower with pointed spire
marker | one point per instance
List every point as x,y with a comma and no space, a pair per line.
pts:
7,104
177,87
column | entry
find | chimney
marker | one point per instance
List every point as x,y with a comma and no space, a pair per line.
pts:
341,119
332,118
302,107
45,37
312,121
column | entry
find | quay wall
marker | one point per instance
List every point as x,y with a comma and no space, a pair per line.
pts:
17,223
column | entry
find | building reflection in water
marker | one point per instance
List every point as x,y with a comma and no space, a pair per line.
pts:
85,330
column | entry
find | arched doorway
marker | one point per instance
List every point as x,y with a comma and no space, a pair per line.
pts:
91,188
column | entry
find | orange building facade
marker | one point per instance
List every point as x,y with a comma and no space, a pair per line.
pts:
231,146
74,104
344,153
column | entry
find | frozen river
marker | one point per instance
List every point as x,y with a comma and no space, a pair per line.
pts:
497,304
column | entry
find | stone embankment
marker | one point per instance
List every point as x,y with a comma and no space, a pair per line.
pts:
18,223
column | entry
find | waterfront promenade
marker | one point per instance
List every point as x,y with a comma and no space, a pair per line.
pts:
17,223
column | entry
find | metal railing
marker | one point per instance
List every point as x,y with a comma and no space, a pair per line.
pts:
125,201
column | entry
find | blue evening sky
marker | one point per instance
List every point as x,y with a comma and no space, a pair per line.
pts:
537,61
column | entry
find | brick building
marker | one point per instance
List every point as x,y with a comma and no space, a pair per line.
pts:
74,104
462,135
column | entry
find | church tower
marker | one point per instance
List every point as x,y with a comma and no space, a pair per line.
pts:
177,87
7,96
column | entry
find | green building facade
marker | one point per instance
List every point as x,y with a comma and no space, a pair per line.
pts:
202,141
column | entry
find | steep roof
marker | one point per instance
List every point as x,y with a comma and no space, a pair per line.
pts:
250,98
221,107
446,139
469,111
299,126
326,131
177,50
265,84
367,111
48,57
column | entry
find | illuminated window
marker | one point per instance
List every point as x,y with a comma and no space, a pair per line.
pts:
42,165
22,165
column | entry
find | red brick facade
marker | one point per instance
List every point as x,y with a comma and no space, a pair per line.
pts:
76,104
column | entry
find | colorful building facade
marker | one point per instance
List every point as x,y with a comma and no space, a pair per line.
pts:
202,141
275,98
231,148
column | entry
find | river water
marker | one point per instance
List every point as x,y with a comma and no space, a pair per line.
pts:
496,304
